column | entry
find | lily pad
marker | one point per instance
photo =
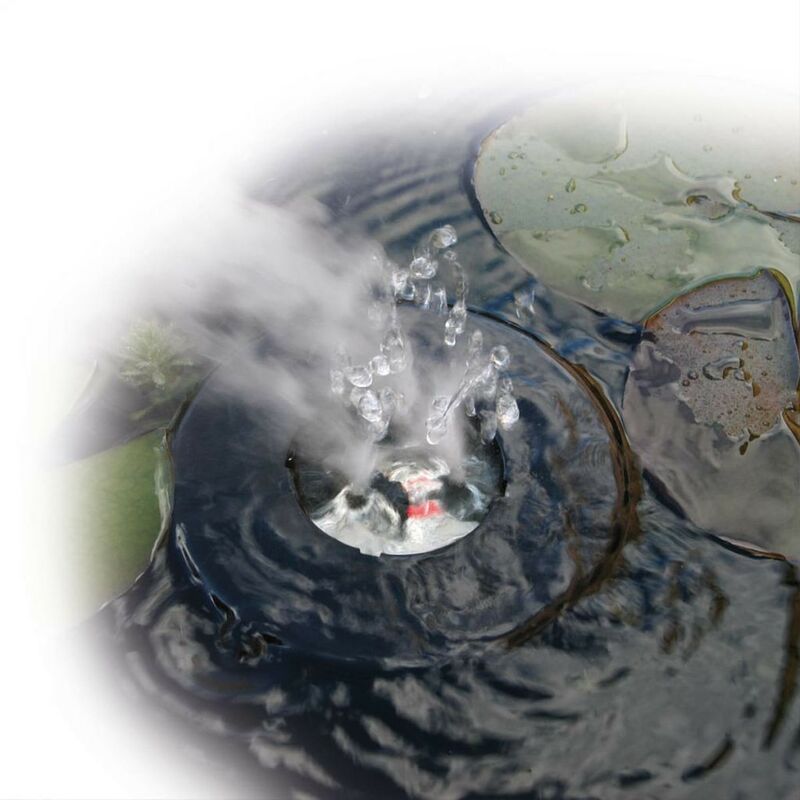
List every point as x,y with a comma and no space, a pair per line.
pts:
711,407
110,518
622,203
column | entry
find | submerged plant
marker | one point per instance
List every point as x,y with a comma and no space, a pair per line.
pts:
155,358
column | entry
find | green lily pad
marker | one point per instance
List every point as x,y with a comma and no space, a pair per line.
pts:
110,518
622,203
711,406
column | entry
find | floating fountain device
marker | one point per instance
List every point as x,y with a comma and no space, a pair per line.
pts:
430,399
447,481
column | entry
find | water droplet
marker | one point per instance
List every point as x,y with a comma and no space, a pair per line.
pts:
595,277
570,187
355,395
500,356
551,197
580,208
369,406
380,365
389,400
444,237
469,405
458,315
439,300
450,332
486,384
440,404
359,375
422,294
507,411
399,280
747,317
721,368
435,428
523,303
393,347
495,218
693,375
423,267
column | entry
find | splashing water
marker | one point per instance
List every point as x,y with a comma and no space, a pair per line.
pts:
485,391
419,490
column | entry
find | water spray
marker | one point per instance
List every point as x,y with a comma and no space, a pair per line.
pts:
426,487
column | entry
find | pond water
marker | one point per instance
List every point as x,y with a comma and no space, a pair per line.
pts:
610,629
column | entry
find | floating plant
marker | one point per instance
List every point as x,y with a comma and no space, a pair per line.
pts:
156,359
711,405
111,518
622,206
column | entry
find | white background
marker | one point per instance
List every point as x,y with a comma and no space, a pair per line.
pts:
118,118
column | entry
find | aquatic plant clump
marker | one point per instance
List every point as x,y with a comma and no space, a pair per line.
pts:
155,358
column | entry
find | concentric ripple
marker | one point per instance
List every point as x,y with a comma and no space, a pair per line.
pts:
242,531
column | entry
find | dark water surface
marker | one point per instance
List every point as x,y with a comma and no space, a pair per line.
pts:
586,641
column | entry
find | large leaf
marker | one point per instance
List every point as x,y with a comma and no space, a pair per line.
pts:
711,406
623,203
110,518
